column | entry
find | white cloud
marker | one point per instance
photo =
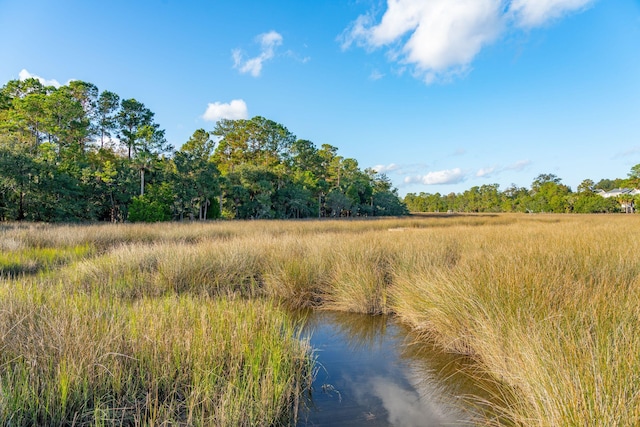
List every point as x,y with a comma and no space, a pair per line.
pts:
485,172
440,38
534,13
384,169
495,170
519,165
24,75
268,42
236,109
375,75
448,176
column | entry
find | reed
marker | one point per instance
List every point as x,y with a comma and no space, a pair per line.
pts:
150,270
76,360
548,312
360,275
297,270
546,306
16,260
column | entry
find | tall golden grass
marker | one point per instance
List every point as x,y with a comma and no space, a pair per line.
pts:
547,306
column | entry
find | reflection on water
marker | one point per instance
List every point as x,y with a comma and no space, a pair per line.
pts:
367,376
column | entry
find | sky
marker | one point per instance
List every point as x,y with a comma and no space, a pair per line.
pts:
440,95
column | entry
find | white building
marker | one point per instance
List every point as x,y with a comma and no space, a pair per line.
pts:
626,196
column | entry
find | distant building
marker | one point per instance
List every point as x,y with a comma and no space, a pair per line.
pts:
624,195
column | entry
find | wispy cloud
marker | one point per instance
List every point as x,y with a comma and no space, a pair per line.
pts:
447,176
534,13
485,172
492,171
440,38
406,408
376,75
384,169
519,165
268,43
24,75
234,110
401,170
297,57
631,151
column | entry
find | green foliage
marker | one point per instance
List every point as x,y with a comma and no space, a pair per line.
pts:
266,173
547,194
144,210
592,203
154,206
74,153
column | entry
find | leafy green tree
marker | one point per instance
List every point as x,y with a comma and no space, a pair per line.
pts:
490,199
586,186
338,204
589,202
56,165
65,122
256,154
549,194
359,190
257,141
294,201
425,202
155,206
86,95
542,179
634,177
27,118
133,117
105,172
609,184
261,185
106,115
516,199
18,170
385,200
197,176
151,144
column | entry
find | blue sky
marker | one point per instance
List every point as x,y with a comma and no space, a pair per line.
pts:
441,95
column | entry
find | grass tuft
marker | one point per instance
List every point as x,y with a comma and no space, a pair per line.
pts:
179,323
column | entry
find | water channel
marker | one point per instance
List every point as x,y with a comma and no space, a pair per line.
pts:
368,376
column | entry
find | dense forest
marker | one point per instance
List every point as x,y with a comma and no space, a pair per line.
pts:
547,194
74,153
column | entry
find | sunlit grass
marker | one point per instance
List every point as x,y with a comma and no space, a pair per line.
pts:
548,312
17,260
546,306
176,359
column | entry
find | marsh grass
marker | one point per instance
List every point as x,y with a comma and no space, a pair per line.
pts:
298,270
360,275
16,260
545,307
205,268
169,360
548,312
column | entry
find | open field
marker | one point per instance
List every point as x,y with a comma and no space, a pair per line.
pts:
149,324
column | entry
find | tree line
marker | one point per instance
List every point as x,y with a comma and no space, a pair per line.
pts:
546,194
74,153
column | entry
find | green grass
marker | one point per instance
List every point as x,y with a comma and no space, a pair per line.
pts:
545,306
176,359
21,261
